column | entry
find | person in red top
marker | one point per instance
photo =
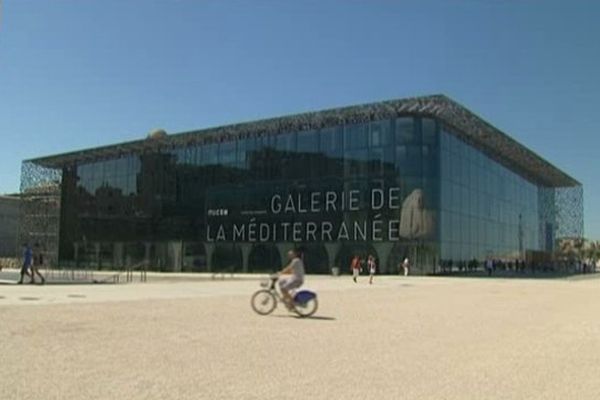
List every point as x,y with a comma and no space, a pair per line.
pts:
355,266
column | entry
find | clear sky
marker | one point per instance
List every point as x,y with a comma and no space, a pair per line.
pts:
76,74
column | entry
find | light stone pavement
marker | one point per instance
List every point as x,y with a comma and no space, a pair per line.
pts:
401,338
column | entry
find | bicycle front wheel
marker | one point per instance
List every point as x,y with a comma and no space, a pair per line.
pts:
263,302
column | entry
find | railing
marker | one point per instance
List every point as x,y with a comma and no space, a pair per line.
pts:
129,271
90,274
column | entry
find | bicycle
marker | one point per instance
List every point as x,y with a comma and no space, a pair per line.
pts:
264,301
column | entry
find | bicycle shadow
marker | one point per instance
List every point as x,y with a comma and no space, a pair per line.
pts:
316,318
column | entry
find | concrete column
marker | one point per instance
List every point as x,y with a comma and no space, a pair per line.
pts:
147,248
283,249
210,249
174,257
76,253
332,250
118,255
417,258
384,250
246,249
97,255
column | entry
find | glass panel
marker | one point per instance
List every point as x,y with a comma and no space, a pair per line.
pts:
227,153
286,142
408,160
429,129
210,153
308,142
381,133
332,142
356,136
356,162
405,130
242,148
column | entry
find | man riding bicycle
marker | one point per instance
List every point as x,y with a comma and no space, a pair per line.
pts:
293,275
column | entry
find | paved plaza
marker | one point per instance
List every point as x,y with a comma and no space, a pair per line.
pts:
401,338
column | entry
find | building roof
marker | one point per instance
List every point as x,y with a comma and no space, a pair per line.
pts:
463,123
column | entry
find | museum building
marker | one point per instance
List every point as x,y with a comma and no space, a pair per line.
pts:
422,178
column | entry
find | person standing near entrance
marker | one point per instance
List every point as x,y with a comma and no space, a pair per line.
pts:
27,261
372,268
355,267
38,262
405,266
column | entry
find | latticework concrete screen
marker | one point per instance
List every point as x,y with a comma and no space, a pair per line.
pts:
40,208
569,212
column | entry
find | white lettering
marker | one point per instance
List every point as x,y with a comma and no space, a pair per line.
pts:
315,202
377,199
394,230
330,199
300,209
354,200
343,232
297,231
285,226
264,232
252,232
311,230
276,204
289,205
360,231
239,232
326,228
394,198
221,234
377,231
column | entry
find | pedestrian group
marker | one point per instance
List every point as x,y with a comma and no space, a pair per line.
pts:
33,259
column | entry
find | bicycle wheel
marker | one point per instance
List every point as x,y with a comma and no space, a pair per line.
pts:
307,308
263,302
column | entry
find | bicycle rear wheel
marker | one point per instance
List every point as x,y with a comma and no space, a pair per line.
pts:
263,302
307,308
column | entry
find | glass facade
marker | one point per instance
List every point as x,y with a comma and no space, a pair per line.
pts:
487,210
238,205
385,180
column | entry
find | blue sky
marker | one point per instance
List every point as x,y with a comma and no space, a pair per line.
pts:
76,74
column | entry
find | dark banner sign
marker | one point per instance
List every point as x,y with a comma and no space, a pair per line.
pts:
304,214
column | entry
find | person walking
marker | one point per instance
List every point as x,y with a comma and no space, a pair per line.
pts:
355,267
372,268
405,266
38,262
27,261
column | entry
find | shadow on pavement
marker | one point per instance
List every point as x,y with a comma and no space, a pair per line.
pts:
57,283
318,317
539,275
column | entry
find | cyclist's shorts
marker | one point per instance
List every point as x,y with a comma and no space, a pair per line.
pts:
290,283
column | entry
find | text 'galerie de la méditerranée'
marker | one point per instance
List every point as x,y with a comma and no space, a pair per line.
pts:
410,221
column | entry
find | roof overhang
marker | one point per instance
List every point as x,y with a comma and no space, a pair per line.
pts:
463,123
